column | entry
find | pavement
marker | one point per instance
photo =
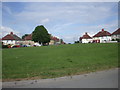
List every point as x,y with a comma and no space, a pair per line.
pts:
100,79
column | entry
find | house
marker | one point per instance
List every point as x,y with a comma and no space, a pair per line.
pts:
54,40
102,37
85,38
28,40
11,39
28,37
116,34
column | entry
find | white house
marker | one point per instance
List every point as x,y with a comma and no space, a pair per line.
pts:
85,38
11,39
102,37
116,35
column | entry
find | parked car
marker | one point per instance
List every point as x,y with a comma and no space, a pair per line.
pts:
15,46
24,45
37,44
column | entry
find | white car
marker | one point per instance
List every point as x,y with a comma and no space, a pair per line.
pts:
37,44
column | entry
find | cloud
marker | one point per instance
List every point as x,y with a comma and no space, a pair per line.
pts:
7,9
92,30
0,14
7,30
46,20
65,20
67,12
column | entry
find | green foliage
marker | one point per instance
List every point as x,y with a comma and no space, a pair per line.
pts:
56,61
76,42
24,36
113,39
4,46
40,34
118,40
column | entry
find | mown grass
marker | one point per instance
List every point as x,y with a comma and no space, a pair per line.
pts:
56,61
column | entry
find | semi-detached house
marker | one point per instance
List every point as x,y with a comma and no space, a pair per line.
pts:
11,39
102,37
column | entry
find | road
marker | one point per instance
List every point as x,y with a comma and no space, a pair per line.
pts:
100,79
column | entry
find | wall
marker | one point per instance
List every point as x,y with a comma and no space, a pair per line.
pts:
86,40
115,36
8,42
103,39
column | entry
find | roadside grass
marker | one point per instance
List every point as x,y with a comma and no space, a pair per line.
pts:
57,61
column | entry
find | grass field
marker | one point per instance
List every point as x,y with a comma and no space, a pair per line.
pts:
56,61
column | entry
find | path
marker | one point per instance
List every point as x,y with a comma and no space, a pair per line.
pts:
101,79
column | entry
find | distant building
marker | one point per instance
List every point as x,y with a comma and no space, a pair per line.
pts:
28,40
28,37
102,37
11,39
116,35
85,38
54,40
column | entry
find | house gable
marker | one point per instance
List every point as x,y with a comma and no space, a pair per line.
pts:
117,32
11,36
102,33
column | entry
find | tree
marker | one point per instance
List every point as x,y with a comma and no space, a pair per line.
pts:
41,35
24,36
76,42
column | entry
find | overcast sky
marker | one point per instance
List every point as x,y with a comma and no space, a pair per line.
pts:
66,20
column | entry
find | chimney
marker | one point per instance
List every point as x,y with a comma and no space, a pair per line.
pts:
102,30
11,32
85,33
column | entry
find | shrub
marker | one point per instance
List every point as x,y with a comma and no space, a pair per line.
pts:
4,46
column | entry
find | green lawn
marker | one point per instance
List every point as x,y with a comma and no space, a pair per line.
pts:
56,61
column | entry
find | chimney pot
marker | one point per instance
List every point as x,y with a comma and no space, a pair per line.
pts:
102,29
86,33
11,32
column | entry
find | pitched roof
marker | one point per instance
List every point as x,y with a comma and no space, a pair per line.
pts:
102,33
116,32
80,38
54,38
11,36
85,36
28,37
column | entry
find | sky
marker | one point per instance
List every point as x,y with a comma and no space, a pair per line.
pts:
65,20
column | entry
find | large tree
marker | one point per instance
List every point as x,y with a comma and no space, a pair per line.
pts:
41,35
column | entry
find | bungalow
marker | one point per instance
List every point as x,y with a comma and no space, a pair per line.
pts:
11,39
85,38
102,37
116,35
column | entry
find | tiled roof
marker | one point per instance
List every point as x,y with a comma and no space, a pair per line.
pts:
29,37
85,36
54,38
11,36
102,33
80,38
116,32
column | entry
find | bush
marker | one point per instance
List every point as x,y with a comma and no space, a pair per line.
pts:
118,40
113,39
4,46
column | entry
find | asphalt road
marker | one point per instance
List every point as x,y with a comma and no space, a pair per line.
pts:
101,79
